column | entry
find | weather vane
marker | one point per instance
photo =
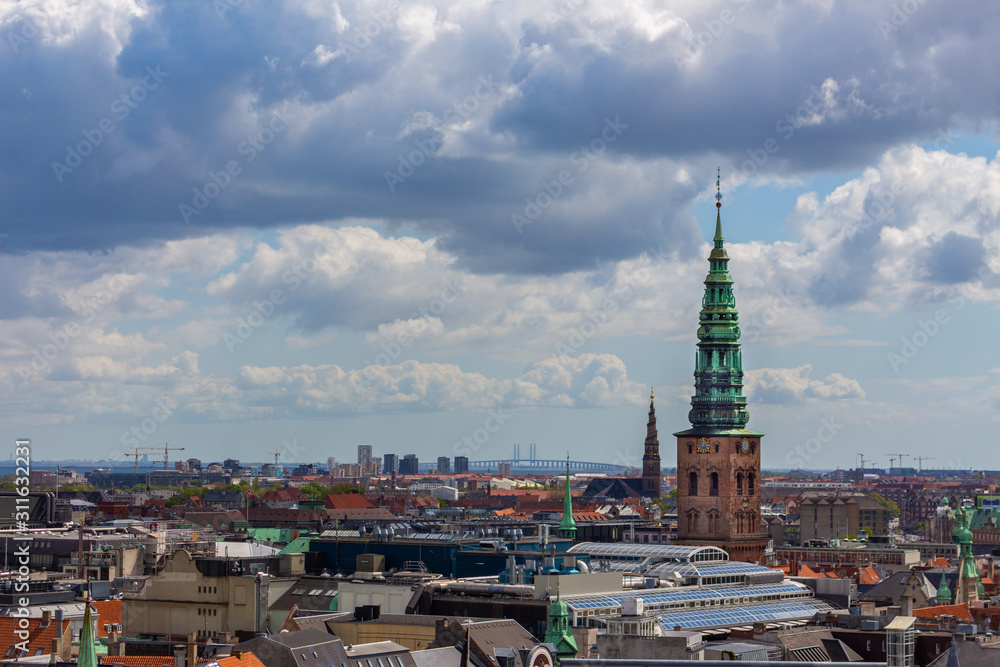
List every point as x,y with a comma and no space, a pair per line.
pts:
718,187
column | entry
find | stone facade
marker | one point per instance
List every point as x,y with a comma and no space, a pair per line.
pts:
718,494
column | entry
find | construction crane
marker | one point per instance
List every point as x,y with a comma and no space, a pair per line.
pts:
891,459
920,461
276,455
166,453
135,455
861,454
900,457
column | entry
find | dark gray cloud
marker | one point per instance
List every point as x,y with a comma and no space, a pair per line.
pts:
954,259
831,90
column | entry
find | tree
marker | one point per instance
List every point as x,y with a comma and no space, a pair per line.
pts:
891,508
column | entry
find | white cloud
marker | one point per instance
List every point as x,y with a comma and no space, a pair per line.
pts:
793,385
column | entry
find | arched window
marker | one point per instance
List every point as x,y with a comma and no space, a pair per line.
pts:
713,484
739,484
692,522
693,484
750,483
690,449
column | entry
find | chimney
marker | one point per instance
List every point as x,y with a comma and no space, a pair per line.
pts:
179,655
793,568
192,650
54,655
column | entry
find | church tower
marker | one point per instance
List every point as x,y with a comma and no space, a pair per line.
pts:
651,456
718,458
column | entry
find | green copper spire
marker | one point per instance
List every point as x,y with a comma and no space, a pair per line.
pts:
558,632
967,583
718,404
943,592
567,527
88,652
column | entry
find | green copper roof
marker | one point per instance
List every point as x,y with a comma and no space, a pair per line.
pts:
88,653
718,405
943,592
558,632
567,527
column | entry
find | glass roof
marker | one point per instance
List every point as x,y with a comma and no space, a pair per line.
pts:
684,594
711,618
633,551
710,569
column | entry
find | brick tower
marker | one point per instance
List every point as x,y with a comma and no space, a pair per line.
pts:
651,456
718,458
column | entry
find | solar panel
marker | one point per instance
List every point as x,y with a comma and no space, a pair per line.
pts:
687,594
784,611
640,551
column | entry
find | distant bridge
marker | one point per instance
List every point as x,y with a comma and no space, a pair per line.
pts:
547,466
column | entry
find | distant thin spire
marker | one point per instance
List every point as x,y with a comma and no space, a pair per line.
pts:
718,207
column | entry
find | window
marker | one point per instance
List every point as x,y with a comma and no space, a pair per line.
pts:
693,484
713,485
750,484
739,484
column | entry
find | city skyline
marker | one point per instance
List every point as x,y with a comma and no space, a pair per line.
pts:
448,228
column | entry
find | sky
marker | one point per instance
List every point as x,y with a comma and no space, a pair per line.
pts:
444,228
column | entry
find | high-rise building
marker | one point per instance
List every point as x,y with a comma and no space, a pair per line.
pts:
651,456
232,465
409,465
461,465
718,458
364,455
331,465
194,464
503,468
390,464
444,465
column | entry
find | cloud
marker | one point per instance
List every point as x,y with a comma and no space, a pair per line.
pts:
794,386
372,88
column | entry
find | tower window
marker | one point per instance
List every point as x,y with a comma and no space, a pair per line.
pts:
739,484
750,484
713,485
693,484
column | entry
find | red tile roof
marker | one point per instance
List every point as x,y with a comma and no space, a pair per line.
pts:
346,501
108,612
246,660
39,638
959,611
137,660
868,575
